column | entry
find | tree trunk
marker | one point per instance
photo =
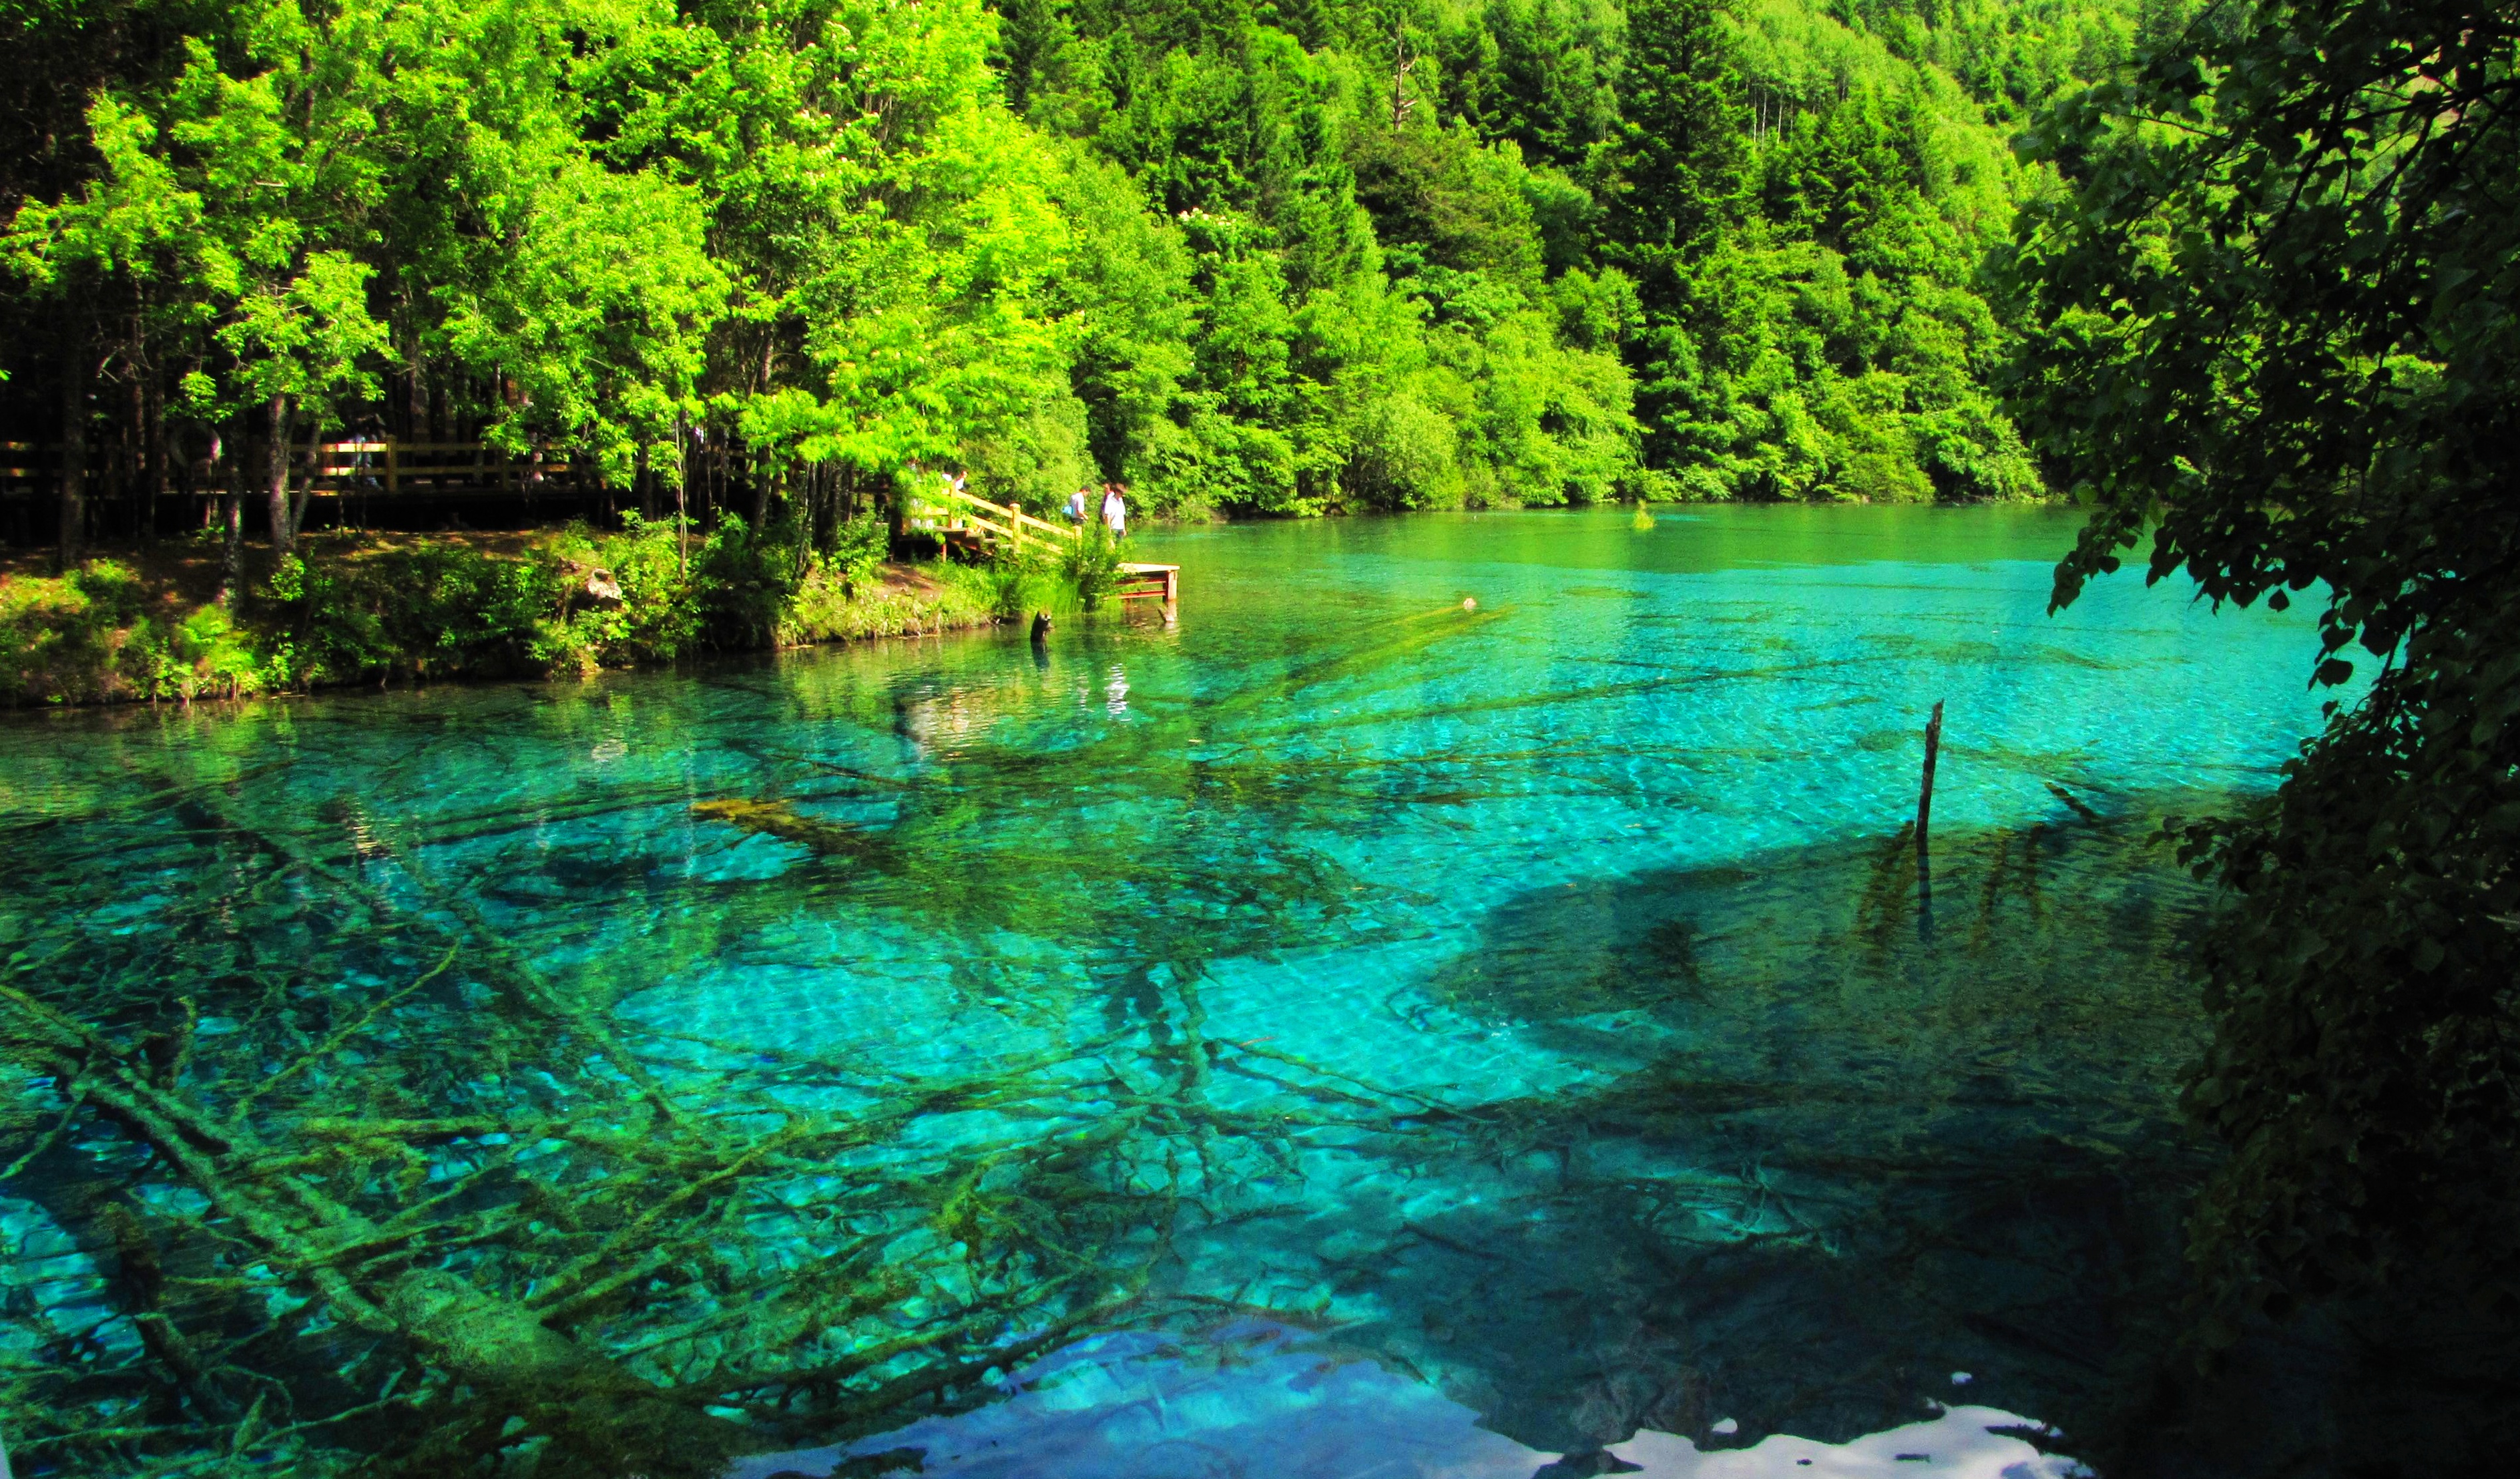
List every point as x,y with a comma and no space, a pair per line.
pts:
76,369
416,426
156,466
1400,62
232,555
276,470
306,479
682,505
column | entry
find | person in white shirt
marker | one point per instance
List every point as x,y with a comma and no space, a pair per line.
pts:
1115,511
1076,506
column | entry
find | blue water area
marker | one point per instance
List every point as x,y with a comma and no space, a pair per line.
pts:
1486,944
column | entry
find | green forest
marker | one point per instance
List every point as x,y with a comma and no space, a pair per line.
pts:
1247,260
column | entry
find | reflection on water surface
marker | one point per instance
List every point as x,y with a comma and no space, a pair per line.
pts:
1536,1003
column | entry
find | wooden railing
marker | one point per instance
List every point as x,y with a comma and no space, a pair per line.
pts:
390,467
394,467
945,512
352,467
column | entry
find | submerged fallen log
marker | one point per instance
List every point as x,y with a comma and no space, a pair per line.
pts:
588,1404
780,820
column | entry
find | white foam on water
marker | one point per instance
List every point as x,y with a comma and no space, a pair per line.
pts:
1965,1443
1261,1401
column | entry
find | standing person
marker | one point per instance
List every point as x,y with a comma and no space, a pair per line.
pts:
1076,505
1115,511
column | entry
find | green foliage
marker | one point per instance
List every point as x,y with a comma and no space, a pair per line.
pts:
662,609
570,603
860,545
95,634
2274,328
1344,300
2014,54
1387,256
1544,73
1011,585
299,184
431,608
1091,568
1805,216
828,607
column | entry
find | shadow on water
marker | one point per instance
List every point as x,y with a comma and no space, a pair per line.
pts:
1832,1145
1847,1158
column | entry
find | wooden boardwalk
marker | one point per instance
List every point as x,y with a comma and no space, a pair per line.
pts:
970,522
973,523
356,467
960,519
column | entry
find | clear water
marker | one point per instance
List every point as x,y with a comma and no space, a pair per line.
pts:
1483,943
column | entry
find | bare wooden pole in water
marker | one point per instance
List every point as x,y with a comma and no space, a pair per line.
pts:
1926,795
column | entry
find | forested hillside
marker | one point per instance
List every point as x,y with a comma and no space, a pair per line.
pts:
1279,259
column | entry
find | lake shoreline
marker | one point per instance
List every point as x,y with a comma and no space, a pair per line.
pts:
147,625
144,625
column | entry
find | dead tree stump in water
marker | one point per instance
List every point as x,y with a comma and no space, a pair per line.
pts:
1924,822
1925,793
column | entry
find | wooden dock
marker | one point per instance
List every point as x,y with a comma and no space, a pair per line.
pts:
1150,583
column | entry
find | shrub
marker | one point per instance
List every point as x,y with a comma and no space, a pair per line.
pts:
859,546
578,601
89,636
1091,566
414,610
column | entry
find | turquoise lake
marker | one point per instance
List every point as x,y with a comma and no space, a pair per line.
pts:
1479,954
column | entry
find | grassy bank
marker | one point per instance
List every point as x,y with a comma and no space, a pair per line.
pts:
365,608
